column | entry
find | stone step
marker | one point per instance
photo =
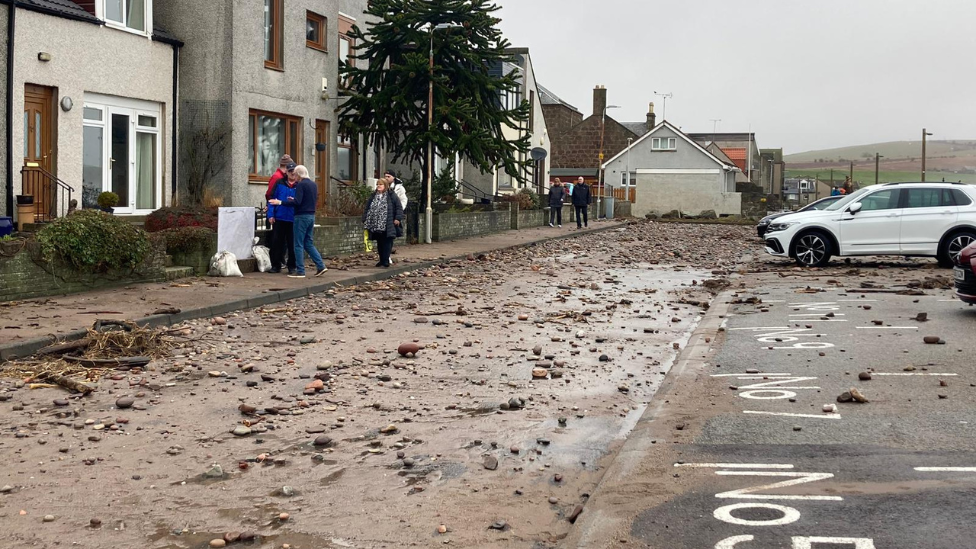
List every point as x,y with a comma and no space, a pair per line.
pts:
176,273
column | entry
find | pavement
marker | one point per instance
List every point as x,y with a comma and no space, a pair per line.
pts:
33,324
736,450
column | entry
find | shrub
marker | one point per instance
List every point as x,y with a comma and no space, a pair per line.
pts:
108,200
92,241
348,200
182,216
186,239
526,198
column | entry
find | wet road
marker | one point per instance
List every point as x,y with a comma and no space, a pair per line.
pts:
757,463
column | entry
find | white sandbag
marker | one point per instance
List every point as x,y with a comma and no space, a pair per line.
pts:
263,256
224,264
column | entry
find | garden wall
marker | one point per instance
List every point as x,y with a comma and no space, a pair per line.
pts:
24,275
454,226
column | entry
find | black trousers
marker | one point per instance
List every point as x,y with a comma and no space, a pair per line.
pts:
282,240
384,246
581,216
556,215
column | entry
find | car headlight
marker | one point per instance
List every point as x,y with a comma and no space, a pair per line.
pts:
776,227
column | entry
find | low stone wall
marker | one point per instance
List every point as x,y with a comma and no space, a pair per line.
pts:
454,226
528,219
622,209
198,258
25,275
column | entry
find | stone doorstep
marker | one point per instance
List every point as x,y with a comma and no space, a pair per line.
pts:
26,348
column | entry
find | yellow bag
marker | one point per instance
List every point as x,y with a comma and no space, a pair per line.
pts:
367,242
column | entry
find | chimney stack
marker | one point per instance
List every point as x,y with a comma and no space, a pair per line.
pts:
651,117
599,100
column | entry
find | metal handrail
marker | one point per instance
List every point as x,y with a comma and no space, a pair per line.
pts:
58,187
462,184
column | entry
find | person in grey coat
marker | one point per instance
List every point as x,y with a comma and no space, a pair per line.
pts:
581,202
557,195
383,218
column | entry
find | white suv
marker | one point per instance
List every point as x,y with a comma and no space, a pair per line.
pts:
910,219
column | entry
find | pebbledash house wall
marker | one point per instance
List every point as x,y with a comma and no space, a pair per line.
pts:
691,182
223,77
4,146
88,59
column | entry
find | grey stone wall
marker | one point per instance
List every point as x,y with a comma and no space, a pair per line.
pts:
24,276
454,226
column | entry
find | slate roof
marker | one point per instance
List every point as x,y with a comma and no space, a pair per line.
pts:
546,97
61,8
637,128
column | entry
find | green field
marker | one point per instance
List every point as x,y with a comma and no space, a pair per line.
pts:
865,177
891,150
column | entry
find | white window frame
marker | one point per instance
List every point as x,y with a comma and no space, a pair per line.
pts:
133,108
669,144
628,182
100,13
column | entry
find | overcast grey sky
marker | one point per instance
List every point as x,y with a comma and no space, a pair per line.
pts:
806,74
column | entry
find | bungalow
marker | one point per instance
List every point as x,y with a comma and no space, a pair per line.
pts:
673,172
96,83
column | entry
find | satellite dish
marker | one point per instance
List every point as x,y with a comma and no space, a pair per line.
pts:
538,153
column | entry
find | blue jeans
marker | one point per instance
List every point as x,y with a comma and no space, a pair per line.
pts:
304,229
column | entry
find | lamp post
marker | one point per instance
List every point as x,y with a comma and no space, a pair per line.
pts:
924,135
627,186
429,217
603,128
877,161
664,110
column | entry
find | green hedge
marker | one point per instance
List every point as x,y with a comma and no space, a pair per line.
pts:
94,241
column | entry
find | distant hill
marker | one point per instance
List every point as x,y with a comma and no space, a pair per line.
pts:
901,161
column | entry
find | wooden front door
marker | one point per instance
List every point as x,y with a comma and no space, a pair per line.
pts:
322,162
39,146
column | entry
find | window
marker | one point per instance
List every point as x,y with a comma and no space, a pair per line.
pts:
135,15
628,182
347,45
272,136
883,200
531,110
664,144
928,198
122,152
346,149
960,198
273,34
316,27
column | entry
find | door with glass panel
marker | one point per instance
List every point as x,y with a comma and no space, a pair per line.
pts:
121,154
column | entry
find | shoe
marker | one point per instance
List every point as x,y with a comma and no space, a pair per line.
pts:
379,263
321,271
275,271
560,226
297,275
550,224
385,265
291,271
587,226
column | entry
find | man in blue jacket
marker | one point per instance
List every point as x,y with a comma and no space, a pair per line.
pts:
581,203
304,202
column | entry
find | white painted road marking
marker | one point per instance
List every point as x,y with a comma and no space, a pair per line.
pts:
784,414
795,479
887,327
909,374
803,542
736,465
730,543
724,514
761,376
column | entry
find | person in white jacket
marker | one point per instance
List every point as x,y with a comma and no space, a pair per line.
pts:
395,184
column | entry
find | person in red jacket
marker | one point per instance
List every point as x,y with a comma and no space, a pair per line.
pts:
279,175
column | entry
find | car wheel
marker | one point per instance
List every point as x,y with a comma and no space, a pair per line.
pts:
812,249
953,246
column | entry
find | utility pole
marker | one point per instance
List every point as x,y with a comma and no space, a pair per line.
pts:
924,135
852,174
877,159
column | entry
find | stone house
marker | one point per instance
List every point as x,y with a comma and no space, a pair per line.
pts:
259,79
741,148
674,172
96,82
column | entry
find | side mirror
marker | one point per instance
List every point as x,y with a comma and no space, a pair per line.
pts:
855,207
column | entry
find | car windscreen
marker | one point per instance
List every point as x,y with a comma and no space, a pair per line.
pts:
849,199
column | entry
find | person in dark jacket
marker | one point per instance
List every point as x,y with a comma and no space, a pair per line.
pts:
305,200
383,218
282,221
581,203
557,195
